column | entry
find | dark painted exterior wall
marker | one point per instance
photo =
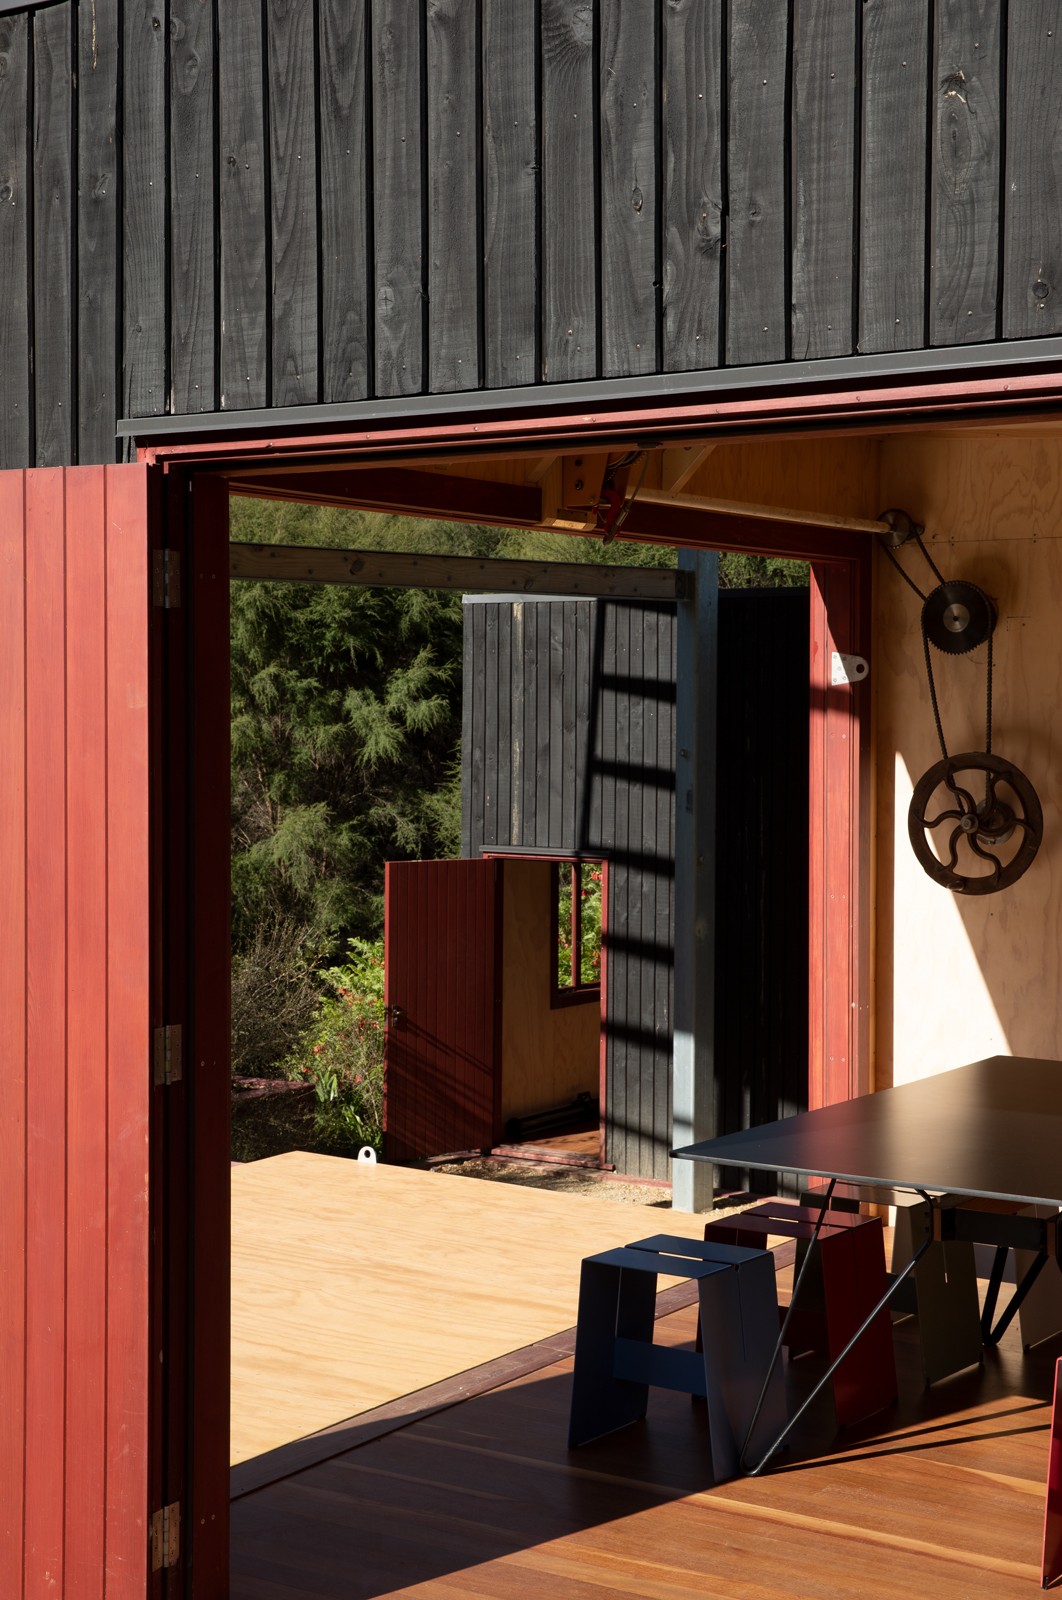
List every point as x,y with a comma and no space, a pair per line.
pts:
224,205
569,747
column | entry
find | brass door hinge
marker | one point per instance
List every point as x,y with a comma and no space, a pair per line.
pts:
167,1048
166,1537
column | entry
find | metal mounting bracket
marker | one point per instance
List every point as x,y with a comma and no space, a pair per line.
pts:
847,669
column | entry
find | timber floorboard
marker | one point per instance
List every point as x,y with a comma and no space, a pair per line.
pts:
354,1285
940,1496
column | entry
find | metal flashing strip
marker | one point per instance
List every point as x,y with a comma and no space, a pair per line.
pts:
710,386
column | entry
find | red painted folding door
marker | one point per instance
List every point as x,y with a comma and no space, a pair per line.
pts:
75,959
441,944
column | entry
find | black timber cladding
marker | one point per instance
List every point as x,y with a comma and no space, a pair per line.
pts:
216,206
569,748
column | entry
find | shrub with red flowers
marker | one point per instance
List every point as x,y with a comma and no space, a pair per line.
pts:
342,1053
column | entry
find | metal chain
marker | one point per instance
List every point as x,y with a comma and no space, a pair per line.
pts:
933,686
928,655
933,566
903,574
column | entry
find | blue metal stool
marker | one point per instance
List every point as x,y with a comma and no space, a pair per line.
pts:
616,1360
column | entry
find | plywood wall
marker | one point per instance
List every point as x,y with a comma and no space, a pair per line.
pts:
958,979
548,1056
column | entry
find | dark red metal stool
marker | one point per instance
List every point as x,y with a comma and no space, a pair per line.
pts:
843,1281
1051,1565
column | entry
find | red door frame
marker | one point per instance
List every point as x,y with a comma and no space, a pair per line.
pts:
838,857
602,1044
189,1177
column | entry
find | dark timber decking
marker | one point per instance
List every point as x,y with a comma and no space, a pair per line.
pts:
941,1496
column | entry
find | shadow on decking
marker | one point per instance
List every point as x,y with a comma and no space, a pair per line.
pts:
940,1495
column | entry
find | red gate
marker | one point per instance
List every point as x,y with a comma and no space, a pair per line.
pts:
442,932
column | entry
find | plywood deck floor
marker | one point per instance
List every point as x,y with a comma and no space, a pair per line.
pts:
940,1496
354,1285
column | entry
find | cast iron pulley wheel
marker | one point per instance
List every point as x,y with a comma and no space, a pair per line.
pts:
987,842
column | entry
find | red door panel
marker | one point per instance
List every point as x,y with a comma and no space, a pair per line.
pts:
442,927
74,1032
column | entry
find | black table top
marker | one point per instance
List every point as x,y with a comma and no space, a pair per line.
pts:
992,1129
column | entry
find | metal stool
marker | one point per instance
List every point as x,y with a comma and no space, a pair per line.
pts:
842,1283
616,1360
942,1293
1051,1563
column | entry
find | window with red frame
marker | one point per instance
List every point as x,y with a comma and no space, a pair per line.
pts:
577,893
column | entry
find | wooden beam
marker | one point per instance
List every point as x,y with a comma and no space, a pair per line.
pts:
422,494
736,510
398,570
677,467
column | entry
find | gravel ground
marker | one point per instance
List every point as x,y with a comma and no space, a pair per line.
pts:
582,1180
566,1180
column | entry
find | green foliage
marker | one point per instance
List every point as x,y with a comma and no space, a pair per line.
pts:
589,878
274,996
345,743
342,1054
738,571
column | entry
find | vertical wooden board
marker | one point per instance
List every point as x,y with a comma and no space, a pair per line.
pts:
487,667
648,958
13,991
604,752
505,719
892,250
630,76
86,989
398,199
98,44
344,243
529,806
555,826
53,310
839,841
966,196
517,743
128,1041
46,1042
292,92
145,232
210,960
694,208
510,177
630,800
569,755
587,807
569,194
824,148
1032,255
542,727
242,219
15,405
469,827
757,310
664,932
453,196
193,175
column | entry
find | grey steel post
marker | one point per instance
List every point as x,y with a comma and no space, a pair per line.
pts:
693,1073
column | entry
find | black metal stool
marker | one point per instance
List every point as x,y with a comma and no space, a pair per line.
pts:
616,1360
